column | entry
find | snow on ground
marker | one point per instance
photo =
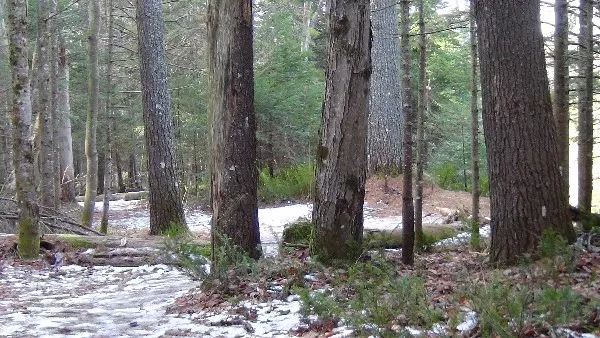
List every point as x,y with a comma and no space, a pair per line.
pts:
74,301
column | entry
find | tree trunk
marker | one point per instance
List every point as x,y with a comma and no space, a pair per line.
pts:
44,114
525,181
108,122
67,172
29,239
234,175
385,118
91,152
420,131
342,150
408,216
54,99
5,128
475,238
166,207
101,153
120,181
585,119
561,88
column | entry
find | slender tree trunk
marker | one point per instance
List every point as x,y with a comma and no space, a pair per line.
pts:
408,216
585,120
475,238
5,102
385,117
342,150
91,152
54,102
108,122
46,151
524,169
29,239
561,88
166,207
67,170
420,130
120,181
233,166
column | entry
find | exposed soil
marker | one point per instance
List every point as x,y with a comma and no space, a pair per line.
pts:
436,200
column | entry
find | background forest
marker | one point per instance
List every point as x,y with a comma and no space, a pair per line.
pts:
290,45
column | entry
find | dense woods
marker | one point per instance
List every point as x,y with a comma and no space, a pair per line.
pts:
228,106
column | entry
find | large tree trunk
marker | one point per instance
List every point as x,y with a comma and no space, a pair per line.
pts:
342,150
166,207
420,130
523,159
233,167
561,88
475,191
385,118
120,181
29,239
408,216
44,114
91,153
585,119
67,172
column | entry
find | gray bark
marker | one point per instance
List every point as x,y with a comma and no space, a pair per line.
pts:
585,120
5,140
65,145
29,239
91,153
54,102
475,191
166,207
44,113
385,118
108,122
342,151
233,164
561,88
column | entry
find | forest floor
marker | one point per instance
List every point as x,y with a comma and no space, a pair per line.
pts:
50,298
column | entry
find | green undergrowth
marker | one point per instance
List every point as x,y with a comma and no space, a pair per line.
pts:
287,183
447,176
372,298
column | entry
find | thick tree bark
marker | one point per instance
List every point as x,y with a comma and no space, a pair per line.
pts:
523,159
29,239
166,207
91,152
585,119
385,117
420,130
108,122
561,88
408,216
342,150
67,172
233,165
44,113
475,191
